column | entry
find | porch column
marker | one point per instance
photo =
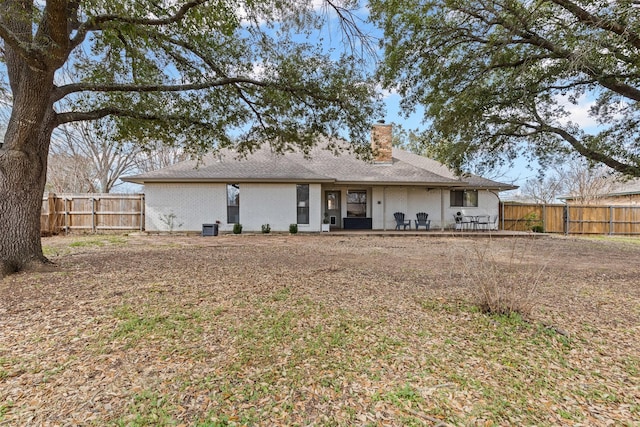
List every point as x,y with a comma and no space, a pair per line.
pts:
384,208
442,220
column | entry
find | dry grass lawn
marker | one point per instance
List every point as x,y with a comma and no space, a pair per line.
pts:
321,330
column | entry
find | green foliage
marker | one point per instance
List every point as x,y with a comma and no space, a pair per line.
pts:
533,222
293,228
266,229
499,79
537,229
237,228
248,83
148,408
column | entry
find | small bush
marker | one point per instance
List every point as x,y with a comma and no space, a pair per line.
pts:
537,229
237,228
505,286
266,229
293,228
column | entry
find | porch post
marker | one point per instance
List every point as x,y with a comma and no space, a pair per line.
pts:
442,220
384,208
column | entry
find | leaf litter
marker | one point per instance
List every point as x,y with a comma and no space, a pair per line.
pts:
319,330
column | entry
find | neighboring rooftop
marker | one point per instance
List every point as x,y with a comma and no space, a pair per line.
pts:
622,188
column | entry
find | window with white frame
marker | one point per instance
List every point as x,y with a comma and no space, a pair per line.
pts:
464,198
233,204
302,203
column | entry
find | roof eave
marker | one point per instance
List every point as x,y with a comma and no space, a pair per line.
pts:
168,180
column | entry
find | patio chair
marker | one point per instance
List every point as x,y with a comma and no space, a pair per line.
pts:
458,220
422,221
483,222
400,221
493,224
469,222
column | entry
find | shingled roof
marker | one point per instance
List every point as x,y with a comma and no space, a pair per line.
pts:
321,166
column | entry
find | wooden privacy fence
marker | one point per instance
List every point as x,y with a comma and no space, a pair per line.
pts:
64,213
569,219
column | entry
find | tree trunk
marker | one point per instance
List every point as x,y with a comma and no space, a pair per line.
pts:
21,189
23,170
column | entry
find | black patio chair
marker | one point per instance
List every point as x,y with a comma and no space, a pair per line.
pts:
400,221
422,221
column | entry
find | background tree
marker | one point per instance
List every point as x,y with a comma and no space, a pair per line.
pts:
577,178
158,155
542,190
84,158
496,77
241,73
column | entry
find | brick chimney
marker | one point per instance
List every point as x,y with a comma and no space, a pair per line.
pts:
381,135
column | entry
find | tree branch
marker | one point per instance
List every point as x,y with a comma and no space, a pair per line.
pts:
22,47
598,22
97,23
590,69
583,149
78,116
65,90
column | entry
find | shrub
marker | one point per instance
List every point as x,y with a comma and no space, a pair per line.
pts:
266,229
508,286
293,228
237,228
533,222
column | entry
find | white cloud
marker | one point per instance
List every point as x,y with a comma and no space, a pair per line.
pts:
578,112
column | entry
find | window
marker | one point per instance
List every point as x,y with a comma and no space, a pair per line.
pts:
233,204
302,203
464,198
357,204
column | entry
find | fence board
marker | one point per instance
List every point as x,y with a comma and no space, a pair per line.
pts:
572,219
91,212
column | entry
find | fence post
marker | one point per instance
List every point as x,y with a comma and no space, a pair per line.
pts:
566,220
141,211
67,219
52,218
93,214
610,220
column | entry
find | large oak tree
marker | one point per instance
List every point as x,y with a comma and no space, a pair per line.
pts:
497,78
212,73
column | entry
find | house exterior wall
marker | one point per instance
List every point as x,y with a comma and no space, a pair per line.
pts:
192,205
435,202
488,204
275,204
195,204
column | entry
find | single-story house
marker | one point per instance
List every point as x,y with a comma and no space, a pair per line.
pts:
283,189
622,193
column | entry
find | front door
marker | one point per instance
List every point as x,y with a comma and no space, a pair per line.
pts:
332,208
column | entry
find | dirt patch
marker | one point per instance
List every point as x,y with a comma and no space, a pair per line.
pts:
318,330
